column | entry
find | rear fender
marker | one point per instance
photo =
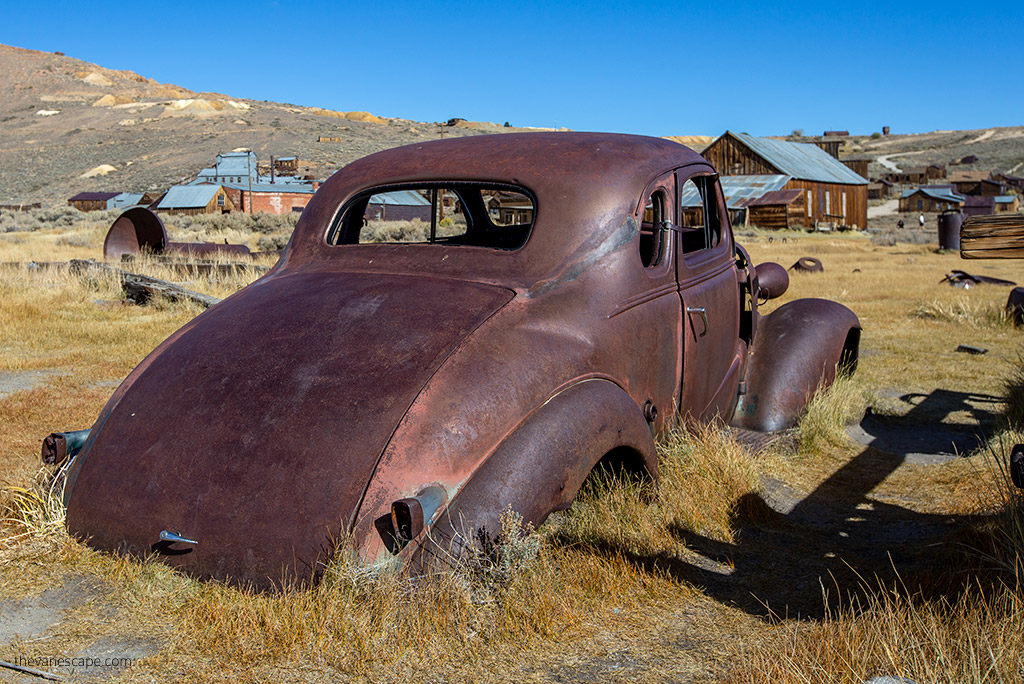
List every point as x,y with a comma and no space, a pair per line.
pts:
798,348
541,466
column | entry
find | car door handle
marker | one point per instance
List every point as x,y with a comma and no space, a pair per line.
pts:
703,315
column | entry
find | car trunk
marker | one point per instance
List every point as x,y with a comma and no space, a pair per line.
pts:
255,430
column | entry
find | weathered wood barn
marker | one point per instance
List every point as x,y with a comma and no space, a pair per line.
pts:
195,199
833,193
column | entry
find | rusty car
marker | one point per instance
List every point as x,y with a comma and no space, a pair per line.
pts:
455,327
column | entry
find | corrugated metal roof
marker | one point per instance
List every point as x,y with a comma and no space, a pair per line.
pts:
405,198
1005,199
188,196
776,197
934,193
736,189
127,199
801,160
305,188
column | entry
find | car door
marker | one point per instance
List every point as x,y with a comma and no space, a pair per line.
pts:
650,315
706,274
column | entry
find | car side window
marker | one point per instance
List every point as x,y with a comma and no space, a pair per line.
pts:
652,229
700,224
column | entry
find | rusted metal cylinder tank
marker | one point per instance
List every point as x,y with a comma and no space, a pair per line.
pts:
132,232
140,230
949,229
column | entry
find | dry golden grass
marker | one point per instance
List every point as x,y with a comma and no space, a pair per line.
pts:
600,593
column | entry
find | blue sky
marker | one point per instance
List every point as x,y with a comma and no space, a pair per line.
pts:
650,68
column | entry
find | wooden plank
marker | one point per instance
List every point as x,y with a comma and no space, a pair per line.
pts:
1016,253
992,237
140,288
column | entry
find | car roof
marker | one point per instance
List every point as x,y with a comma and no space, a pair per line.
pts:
575,177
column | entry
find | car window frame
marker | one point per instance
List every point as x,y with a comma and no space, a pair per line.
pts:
334,229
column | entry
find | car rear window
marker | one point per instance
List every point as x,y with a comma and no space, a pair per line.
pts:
478,215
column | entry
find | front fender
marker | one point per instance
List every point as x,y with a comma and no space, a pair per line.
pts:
798,348
541,466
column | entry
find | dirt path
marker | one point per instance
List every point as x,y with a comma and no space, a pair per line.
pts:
888,208
983,137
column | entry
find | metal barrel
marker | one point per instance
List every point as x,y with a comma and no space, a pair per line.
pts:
949,229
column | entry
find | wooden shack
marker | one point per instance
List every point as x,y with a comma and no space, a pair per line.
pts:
833,193
978,183
1007,204
92,201
880,189
778,210
929,200
195,199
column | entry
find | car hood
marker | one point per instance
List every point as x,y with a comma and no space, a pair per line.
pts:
255,429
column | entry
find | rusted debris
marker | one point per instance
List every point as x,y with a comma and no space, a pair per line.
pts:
1015,305
949,229
140,230
807,265
966,280
141,288
969,349
58,446
1017,465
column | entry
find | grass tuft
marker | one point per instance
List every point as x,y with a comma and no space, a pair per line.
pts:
963,311
823,425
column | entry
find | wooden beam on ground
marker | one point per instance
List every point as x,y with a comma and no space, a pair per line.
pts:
992,237
140,288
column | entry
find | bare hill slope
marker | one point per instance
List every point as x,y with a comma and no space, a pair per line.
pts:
61,118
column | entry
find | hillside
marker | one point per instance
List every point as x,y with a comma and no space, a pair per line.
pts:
62,118
66,123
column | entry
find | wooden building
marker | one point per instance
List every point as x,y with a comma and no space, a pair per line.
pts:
92,201
1015,182
830,146
935,171
922,200
195,199
914,175
858,166
833,193
978,183
1007,204
778,210
880,189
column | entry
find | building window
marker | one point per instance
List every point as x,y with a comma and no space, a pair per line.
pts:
920,204
220,200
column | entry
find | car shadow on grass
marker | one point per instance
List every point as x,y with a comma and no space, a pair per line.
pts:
841,541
